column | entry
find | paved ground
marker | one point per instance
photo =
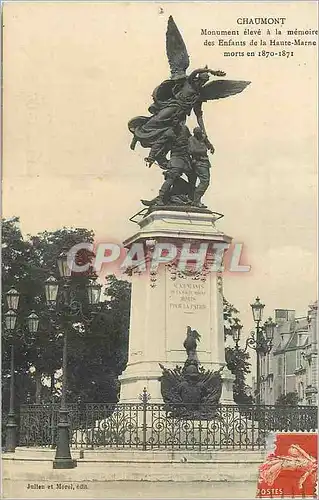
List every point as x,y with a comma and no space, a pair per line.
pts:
129,489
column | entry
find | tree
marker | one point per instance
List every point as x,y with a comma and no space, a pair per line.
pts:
237,360
26,264
104,348
17,268
230,314
118,293
47,247
289,399
98,343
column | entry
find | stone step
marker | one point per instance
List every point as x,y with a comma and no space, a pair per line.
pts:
124,455
36,471
101,465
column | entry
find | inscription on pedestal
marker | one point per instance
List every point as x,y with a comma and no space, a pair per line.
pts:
187,301
187,297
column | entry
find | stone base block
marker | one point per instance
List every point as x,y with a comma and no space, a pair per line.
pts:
138,466
134,381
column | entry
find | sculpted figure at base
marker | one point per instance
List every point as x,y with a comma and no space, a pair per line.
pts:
190,392
173,102
198,146
178,164
190,345
189,158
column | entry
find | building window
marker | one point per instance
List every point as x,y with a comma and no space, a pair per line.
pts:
281,314
299,363
263,365
279,365
301,391
308,373
291,359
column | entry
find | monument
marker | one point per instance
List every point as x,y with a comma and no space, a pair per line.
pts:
177,281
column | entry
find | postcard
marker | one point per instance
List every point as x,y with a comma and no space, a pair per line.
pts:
159,245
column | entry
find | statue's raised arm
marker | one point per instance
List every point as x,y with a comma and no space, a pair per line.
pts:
205,70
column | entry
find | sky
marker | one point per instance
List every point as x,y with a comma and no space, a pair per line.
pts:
75,73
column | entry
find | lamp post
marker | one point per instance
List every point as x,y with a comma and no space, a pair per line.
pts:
59,299
10,323
257,309
262,344
11,427
260,341
236,331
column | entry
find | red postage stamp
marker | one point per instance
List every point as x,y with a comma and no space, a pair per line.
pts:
290,468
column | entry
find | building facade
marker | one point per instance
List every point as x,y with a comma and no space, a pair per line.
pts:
291,365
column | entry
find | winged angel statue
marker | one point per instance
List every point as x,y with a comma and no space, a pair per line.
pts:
165,130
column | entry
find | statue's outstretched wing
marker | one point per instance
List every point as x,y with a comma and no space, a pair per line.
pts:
176,51
170,384
218,89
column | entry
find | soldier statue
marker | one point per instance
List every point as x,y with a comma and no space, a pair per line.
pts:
198,145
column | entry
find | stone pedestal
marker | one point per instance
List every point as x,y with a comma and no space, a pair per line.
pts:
168,299
227,397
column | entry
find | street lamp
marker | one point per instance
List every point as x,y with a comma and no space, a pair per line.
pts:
51,291
269,327
11,427
33,322
236,331
13,299
10,318
63,458
60,297
262,343
257,309
65,270
94,292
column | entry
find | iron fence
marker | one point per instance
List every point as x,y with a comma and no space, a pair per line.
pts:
148,425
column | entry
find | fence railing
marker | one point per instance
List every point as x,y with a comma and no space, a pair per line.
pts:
154,426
